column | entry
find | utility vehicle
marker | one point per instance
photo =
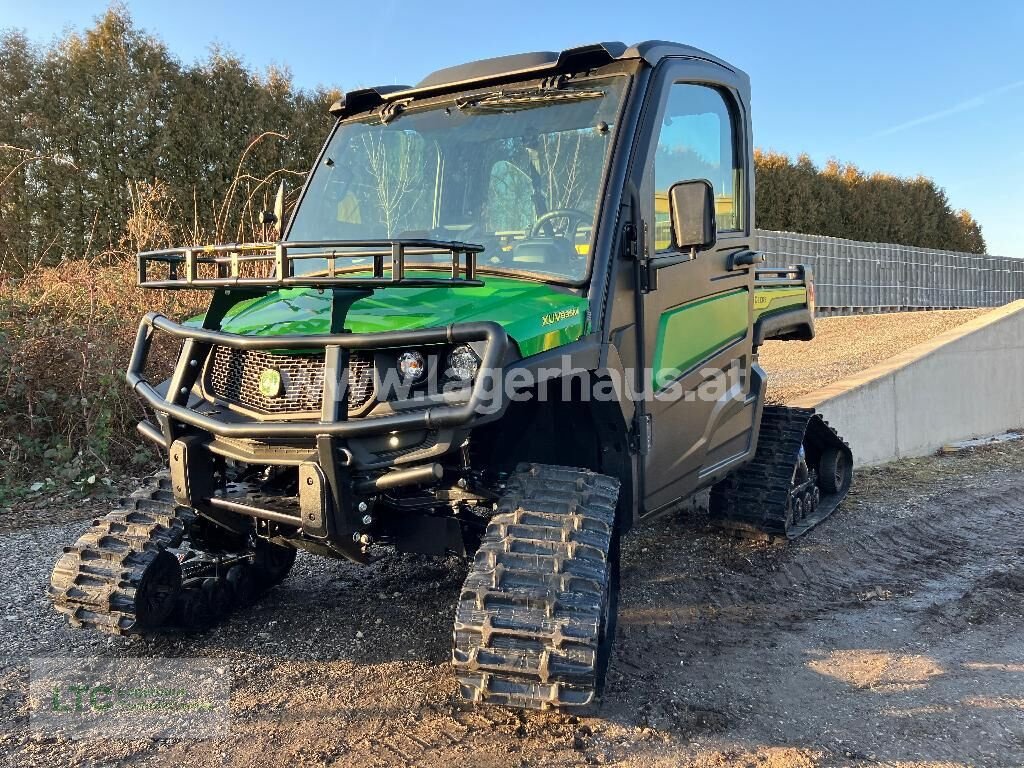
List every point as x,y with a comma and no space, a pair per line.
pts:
515,310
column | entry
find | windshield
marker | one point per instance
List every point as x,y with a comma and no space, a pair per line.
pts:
517,171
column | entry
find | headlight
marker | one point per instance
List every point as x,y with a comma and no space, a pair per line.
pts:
412,365
463,362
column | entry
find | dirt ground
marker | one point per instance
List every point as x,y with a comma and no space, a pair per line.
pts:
843,346
891,635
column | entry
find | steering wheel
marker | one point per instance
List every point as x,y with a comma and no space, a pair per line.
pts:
574,216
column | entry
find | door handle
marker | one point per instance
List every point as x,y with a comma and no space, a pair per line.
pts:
744,259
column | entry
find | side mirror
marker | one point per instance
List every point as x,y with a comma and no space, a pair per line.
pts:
692,211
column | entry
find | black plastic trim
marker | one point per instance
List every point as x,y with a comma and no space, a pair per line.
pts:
525,64
789,325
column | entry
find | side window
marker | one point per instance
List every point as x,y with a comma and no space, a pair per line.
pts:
696,141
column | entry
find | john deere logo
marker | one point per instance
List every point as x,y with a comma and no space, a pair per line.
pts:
270,382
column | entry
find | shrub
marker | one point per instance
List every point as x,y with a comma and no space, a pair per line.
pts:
66,333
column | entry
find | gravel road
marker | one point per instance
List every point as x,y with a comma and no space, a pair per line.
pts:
845,345
891,635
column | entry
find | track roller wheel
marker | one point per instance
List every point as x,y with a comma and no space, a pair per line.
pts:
798,509
242,580
834,471
158,590
193,609
218,595
272,562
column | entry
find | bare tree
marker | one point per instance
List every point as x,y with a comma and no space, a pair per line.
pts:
559,161
396,165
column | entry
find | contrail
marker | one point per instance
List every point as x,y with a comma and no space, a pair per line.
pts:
963,106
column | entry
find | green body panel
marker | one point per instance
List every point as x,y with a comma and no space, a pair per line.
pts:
537,316
692,332
768,300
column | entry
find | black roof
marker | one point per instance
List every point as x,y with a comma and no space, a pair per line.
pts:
651,51
524,64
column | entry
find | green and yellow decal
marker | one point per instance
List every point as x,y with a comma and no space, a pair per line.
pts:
693,332
768,301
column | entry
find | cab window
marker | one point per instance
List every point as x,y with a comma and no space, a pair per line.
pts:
696,141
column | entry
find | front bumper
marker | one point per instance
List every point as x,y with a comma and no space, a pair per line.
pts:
327,503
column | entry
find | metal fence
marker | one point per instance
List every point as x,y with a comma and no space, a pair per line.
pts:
880,277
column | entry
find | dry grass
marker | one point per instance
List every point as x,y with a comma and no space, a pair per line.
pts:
65,337
66,333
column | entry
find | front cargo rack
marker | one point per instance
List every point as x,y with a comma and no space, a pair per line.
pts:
233,265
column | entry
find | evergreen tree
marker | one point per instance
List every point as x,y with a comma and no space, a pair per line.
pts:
840,200
109,143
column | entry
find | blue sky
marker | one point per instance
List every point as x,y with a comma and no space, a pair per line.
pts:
904,86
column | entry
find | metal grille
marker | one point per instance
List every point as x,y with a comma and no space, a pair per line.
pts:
234,375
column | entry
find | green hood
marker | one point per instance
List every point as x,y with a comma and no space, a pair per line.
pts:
535,315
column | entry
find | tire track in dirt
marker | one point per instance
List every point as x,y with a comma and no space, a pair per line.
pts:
804,581
700,613
960,540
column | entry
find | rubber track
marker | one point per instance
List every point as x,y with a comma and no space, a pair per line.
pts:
528,620
755,499
94,582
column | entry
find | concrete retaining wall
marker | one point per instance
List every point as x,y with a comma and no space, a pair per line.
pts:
967,382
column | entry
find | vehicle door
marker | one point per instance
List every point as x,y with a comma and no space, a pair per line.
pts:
697,303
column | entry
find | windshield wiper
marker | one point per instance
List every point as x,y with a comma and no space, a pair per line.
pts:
512,101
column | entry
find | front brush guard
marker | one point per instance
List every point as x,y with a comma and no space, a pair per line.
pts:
333,421
340,519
